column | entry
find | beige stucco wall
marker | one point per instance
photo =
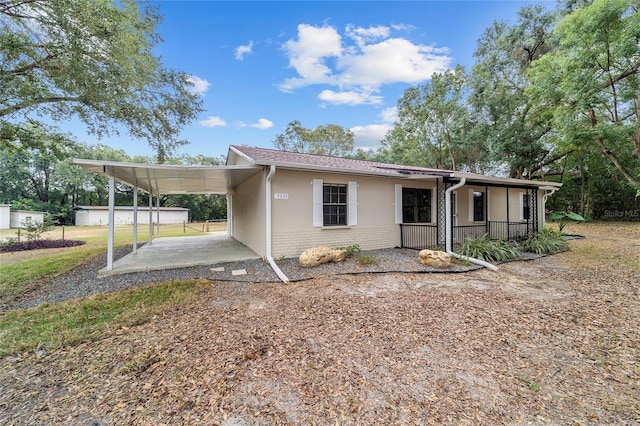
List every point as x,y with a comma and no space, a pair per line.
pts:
292,220
249,220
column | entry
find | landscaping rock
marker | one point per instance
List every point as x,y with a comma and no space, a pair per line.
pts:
434,258
318,255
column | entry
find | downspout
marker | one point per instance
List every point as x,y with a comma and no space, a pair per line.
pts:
448,228
272,263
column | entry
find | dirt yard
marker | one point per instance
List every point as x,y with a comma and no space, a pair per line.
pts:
550,341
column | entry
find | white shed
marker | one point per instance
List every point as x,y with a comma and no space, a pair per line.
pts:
5,216
18,217
99,215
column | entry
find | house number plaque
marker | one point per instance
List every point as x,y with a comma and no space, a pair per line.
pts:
281,196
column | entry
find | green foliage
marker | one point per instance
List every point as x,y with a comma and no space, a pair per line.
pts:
33,229
365,259
530,384
323,140
484,248
90,59
546,241
350,250
563,218
72,322
434,128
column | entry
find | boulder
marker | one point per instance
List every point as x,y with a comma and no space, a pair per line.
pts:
434,258
318,255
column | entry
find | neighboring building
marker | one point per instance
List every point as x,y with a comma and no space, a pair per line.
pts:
16,218
99,215
5,216
281,203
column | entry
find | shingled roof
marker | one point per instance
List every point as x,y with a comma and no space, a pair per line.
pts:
268,157
326,163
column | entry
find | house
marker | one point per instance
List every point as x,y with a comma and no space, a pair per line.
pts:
17,218
281,203
123,215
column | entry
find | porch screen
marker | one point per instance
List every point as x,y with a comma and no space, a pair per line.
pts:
416,205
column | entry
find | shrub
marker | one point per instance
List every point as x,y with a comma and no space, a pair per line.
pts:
351,250
484,248
546,241
367,259
34,229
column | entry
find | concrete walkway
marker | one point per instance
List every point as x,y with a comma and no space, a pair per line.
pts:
180,252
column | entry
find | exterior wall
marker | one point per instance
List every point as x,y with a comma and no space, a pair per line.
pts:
100,217
249,217
292,219
497,205
5,216
19,216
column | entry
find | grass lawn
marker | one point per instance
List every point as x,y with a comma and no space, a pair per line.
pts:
85,319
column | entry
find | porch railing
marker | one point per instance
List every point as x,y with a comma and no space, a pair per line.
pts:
419,236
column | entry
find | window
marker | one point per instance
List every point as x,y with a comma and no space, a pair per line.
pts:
416,205
334,205
478,206
525,211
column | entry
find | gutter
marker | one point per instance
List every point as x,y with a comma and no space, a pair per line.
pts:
448,228
272,263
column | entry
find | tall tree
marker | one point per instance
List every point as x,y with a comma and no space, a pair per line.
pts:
591,82
90,59
331,140
518,135
433,127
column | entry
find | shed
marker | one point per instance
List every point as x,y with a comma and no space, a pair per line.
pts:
123,215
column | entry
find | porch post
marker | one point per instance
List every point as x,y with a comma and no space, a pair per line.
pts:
135,219
112,216
508,233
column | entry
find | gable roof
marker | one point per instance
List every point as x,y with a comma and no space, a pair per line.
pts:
302,161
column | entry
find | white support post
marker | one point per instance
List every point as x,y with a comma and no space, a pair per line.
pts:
158,215
135,219
150,217
112,216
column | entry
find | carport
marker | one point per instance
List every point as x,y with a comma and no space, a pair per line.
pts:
157,179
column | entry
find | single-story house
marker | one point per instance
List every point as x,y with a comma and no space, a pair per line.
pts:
16,218
99,215
281,203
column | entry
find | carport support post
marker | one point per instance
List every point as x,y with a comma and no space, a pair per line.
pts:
158,215
112,216
135,219
150,217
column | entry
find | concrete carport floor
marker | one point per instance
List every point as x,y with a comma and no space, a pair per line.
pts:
181,252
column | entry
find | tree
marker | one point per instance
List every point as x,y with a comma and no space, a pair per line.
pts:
323,140
591,82
519,135
90,59
433,127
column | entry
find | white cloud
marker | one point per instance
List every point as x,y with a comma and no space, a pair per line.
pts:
200,85
361,63
370,136
213,121
262,124
307,55
241,51
389,115
349,97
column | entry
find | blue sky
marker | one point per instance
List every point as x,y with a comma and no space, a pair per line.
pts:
260,65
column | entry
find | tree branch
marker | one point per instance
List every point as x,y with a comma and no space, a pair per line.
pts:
53,99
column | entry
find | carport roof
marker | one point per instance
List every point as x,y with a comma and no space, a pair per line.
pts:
170,179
